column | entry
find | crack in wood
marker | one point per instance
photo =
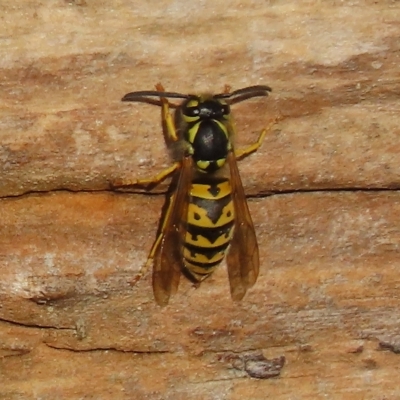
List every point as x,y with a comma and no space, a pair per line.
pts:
37,326
106,348
352,189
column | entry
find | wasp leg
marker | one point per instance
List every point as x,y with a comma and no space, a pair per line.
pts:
166,115
172,136
253,147
156,244
155,180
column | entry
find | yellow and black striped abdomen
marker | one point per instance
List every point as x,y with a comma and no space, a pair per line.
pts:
209,231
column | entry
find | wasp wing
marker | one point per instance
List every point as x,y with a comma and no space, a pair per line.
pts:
242,258
168,258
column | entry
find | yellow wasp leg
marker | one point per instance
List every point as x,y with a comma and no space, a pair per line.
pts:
156,244
169,124
253,147
149,181
166,115
172,135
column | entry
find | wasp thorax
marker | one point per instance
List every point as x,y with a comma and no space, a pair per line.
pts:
210,142
207,132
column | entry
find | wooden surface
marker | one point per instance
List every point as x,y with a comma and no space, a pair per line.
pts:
323,192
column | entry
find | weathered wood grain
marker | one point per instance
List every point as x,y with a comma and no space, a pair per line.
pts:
323,192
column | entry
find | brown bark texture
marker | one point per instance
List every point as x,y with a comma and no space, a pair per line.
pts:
322,321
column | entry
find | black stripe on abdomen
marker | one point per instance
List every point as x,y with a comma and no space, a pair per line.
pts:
209,228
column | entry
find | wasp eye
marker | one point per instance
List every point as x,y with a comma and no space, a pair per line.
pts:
192,111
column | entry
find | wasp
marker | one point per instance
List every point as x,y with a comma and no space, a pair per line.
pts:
207,217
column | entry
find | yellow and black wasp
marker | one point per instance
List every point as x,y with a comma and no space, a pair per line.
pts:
207,215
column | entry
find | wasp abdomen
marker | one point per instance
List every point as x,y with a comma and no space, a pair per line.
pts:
210,224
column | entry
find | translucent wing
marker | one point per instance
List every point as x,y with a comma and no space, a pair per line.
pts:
168,258
242,258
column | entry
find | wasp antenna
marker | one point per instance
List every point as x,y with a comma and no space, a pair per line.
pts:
245,93
253,90
135,96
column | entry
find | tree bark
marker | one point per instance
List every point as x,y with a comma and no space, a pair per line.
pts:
322,320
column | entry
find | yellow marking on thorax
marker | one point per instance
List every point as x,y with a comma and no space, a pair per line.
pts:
192,132
221,162
223,127
202,165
